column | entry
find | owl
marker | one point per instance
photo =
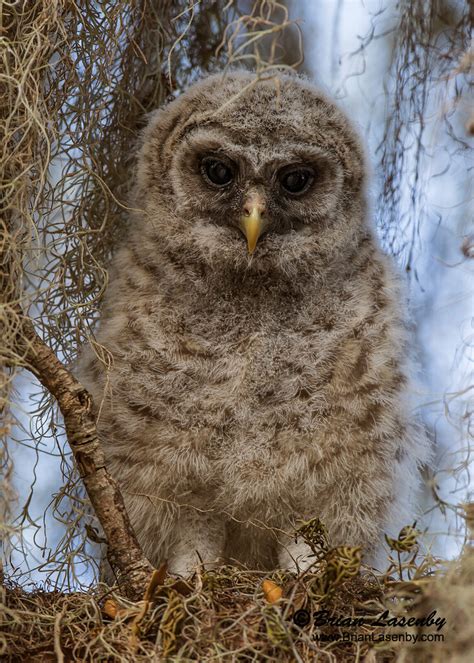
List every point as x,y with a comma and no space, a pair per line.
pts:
260,352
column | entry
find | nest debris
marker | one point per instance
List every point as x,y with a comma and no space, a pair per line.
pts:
228,614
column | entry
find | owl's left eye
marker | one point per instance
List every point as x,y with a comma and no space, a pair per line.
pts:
296,180
216,171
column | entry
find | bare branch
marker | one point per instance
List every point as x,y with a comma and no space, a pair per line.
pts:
123,551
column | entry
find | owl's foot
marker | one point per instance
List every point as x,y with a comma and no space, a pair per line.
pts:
199,542
296,557
185,566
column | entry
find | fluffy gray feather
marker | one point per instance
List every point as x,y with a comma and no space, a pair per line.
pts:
247,392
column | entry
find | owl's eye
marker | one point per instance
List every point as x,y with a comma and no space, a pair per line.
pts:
217,172
296,180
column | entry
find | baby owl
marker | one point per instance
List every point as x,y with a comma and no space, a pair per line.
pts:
259,349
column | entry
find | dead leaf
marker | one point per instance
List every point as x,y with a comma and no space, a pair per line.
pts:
271,591
110,608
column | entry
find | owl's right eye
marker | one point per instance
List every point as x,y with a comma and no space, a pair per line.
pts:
217,172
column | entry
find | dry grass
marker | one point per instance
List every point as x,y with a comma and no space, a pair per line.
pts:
224,615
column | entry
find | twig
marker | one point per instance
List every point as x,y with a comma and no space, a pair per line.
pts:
57,637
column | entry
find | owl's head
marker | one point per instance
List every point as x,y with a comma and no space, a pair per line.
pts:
239,174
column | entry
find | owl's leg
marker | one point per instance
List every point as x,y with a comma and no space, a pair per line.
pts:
355,511
293,553
295,556
198,538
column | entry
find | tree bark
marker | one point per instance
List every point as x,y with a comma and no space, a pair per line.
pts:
124,554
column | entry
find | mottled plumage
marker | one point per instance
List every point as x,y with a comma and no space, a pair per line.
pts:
254,390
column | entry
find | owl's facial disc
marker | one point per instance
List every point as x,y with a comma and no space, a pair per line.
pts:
253,220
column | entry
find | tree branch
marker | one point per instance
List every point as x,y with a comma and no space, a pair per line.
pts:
123,551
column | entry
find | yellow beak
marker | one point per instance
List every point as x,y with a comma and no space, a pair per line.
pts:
252,225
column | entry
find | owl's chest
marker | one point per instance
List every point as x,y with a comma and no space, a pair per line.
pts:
258,379
253,406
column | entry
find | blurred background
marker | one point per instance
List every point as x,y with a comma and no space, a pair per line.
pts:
399,69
